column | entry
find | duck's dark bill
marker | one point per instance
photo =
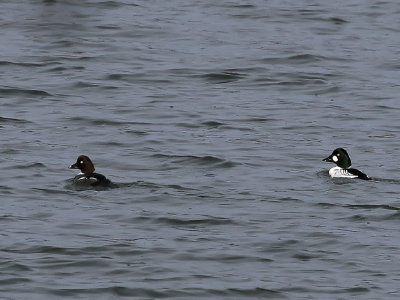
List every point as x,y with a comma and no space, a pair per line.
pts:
328,159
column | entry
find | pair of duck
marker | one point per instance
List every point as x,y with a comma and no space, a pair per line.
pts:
339,156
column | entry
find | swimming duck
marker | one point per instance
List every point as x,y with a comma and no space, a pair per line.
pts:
343,162
87,176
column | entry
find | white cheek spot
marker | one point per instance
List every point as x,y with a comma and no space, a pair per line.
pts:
81,162
335,159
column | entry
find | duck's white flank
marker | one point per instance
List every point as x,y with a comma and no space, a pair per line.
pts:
338,172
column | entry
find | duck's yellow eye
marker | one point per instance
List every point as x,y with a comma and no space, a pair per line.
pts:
338,154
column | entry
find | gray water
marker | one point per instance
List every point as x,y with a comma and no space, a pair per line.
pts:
213,118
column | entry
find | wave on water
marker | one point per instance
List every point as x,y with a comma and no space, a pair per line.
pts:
12,120
213,124
198,160
23,92
209,220
373,206
97,122
35,165
21,64
387,180
298,59
223,77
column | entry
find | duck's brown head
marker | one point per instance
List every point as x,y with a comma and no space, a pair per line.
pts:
84,164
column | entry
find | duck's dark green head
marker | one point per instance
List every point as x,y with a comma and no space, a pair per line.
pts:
340,157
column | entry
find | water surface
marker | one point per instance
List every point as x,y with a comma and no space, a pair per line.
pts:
213,118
